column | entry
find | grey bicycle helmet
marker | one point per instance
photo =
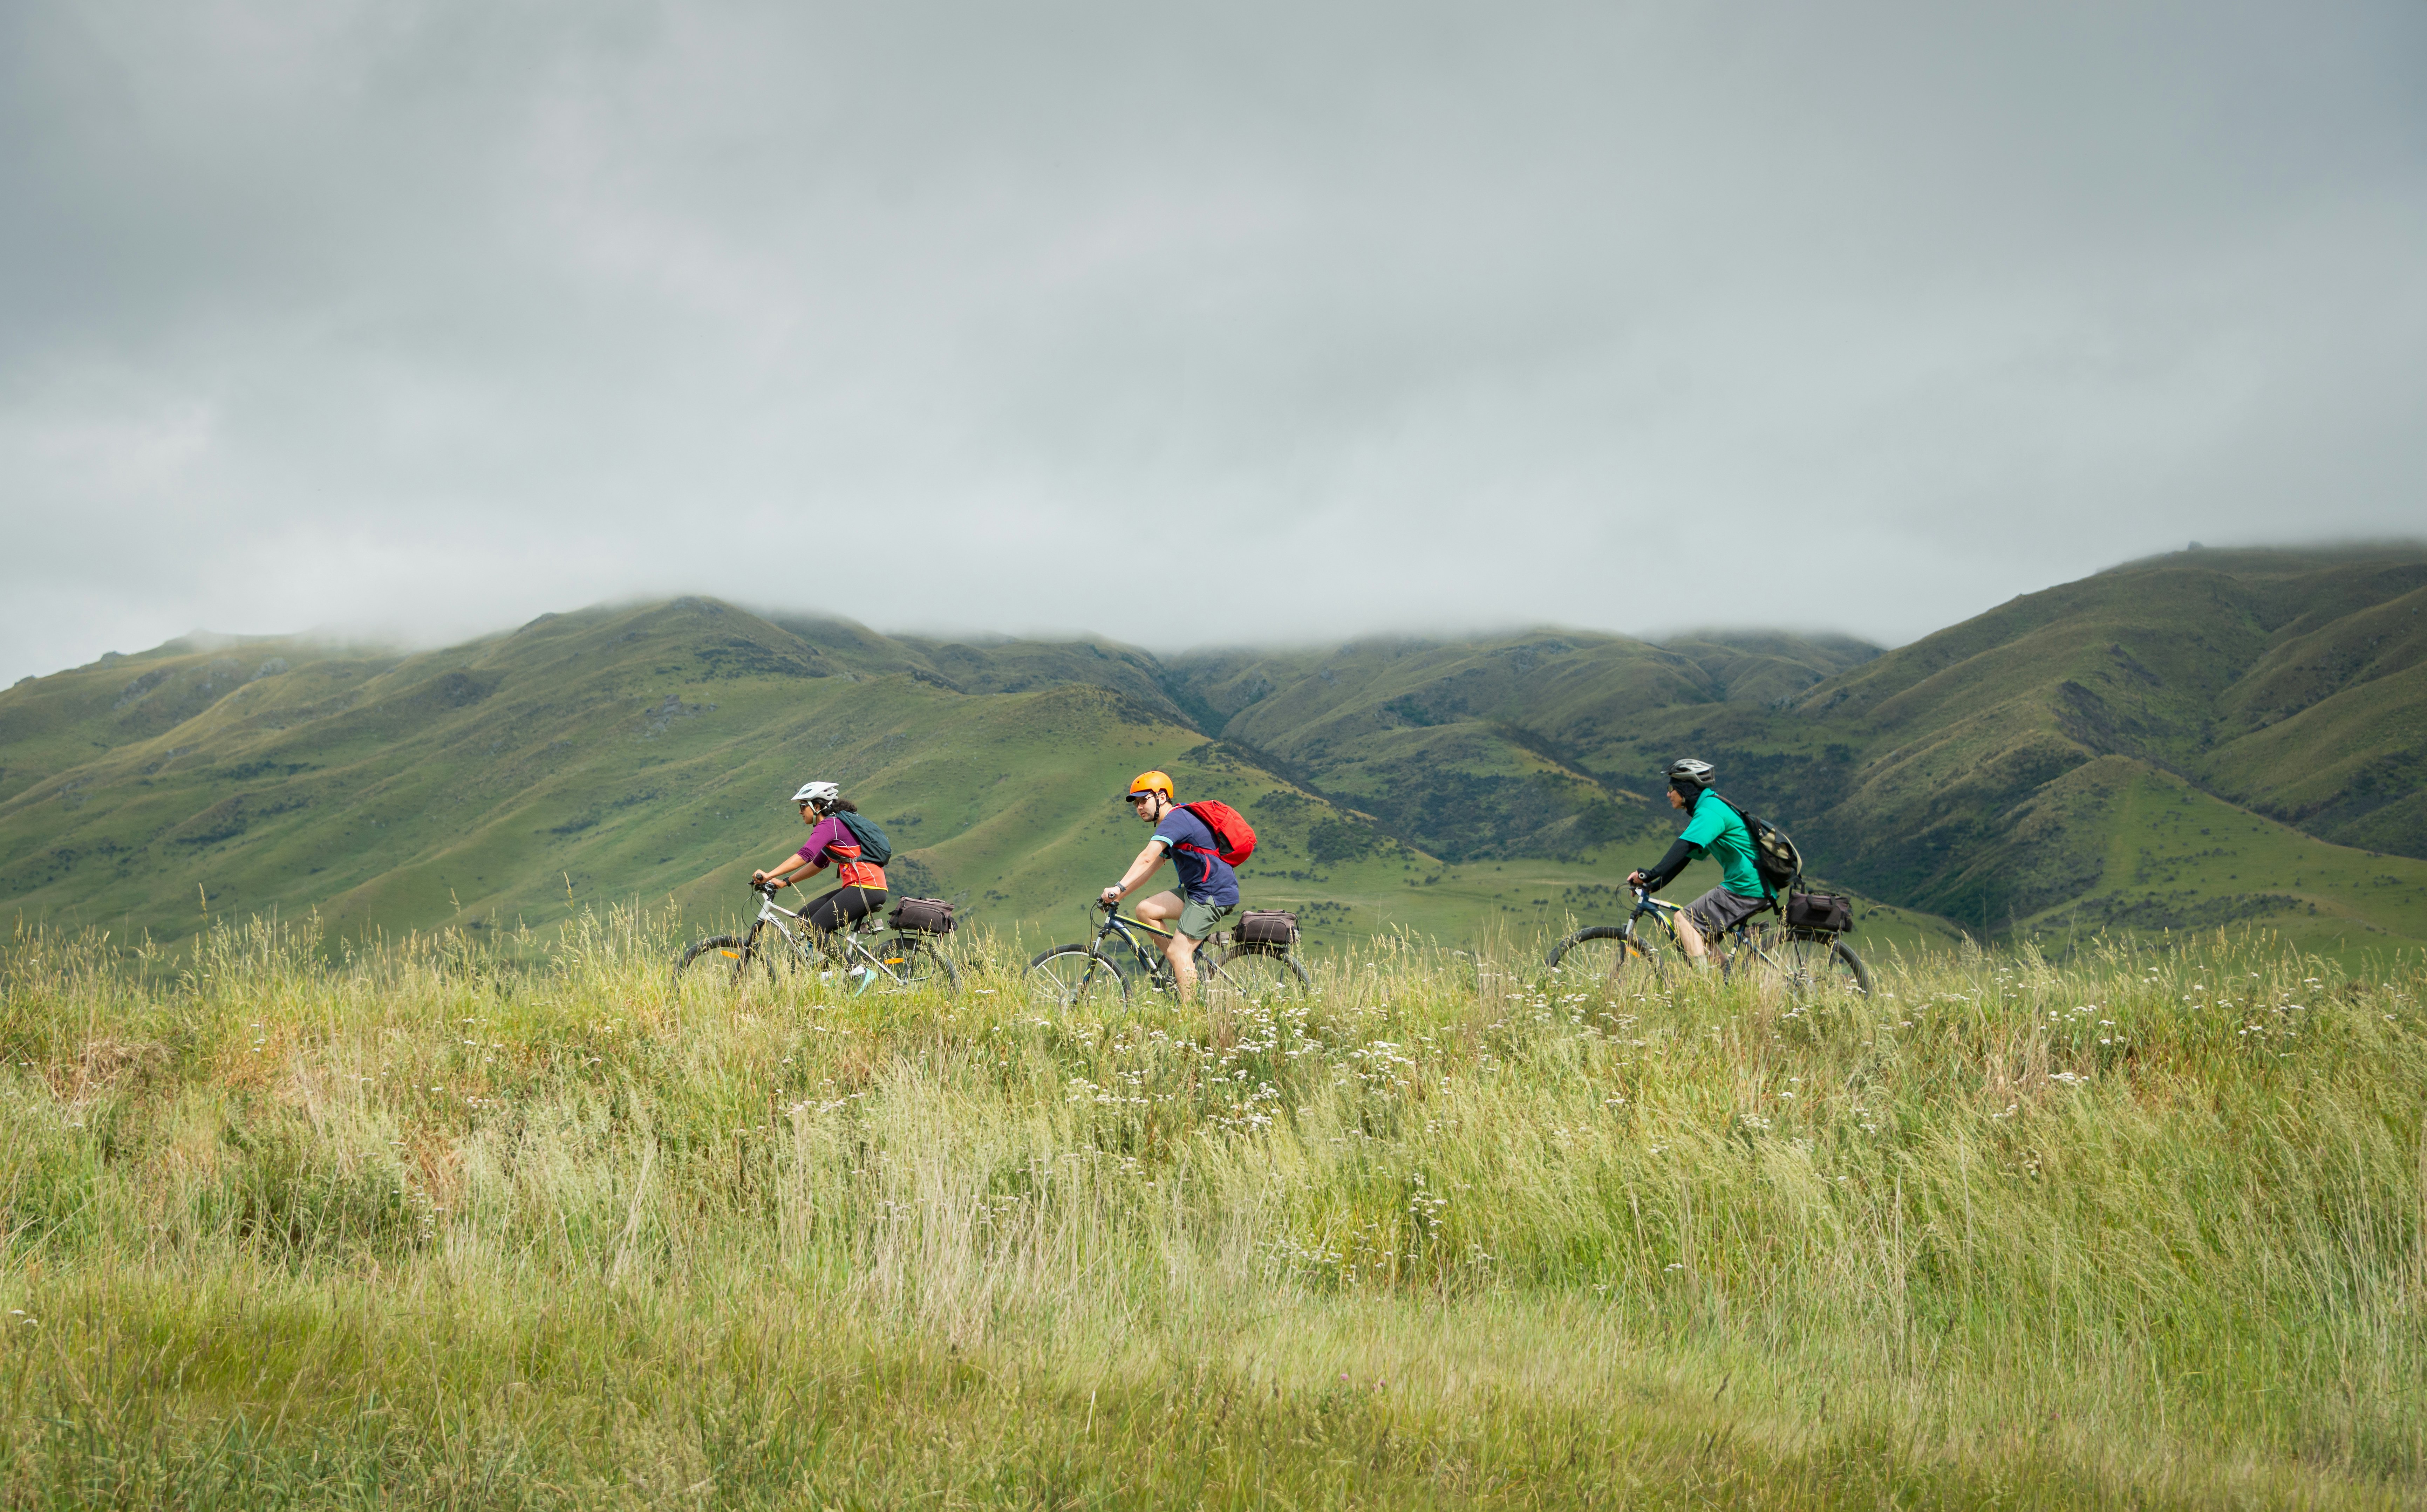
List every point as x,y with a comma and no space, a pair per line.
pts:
1686,775
821,793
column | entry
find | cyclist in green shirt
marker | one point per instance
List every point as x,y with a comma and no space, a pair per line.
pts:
1716,830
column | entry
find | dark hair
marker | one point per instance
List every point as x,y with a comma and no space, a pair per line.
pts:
841,805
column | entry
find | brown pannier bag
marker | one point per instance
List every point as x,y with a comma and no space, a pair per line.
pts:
1267,926
923,916
1827,912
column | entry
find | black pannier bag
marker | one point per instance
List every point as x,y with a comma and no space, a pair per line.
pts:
1829,911
923,916
1267,926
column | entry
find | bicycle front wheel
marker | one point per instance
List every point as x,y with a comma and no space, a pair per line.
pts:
724,960
913,961
1812,965
1074,976
1257,974
1605,953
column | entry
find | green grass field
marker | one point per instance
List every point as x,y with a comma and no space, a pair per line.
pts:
462,1221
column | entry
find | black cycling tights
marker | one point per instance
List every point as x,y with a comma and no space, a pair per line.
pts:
842,905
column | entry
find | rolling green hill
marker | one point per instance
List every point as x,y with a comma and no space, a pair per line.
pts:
602,756
1997,771
1992,774
2207,738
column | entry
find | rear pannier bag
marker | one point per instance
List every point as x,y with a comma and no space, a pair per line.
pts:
923,916
1267,926
1827,911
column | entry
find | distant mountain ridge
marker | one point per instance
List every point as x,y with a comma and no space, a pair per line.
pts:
2052,760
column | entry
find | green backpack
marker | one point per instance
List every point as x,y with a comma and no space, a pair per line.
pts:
875,848
1773,855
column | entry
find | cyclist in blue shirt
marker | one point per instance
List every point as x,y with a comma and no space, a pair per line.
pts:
1716,830
1209,889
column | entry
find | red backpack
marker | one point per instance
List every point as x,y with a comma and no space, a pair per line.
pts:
1233,840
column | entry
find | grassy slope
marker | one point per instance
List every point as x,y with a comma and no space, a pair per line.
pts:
2178,857
418,1228
1942,775
1974,773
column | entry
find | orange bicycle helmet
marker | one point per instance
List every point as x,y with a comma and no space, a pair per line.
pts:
1150,782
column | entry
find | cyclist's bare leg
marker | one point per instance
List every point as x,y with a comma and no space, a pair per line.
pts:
1162,910
1689,939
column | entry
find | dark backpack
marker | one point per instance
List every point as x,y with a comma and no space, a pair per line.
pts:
1773,855
1233,841
875,848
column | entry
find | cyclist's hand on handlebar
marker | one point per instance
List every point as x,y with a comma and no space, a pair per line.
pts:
1109,898
1634,879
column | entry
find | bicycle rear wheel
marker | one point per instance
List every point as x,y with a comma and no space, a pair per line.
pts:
915,962
1811,964
1610,954
1255,974
1074,976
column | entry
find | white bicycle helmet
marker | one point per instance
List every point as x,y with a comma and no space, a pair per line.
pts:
819,793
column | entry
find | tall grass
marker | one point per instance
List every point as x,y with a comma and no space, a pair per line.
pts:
415,1224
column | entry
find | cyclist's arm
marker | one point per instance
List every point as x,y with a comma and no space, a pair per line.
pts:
1139,871
782,873
1665,871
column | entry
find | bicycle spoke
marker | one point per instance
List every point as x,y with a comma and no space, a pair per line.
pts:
1074,976
1606,955
1248,974
1811,965
728,960
910,960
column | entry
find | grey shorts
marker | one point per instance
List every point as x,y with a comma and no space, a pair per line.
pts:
1718,910
1197,919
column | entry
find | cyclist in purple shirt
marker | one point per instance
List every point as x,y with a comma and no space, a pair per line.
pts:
831,841
1209,889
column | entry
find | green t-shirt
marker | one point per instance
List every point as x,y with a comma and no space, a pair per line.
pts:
1716,830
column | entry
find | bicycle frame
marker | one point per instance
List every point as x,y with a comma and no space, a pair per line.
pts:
1152,963
1722,948
840,946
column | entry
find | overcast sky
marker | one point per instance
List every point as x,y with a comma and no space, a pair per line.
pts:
1187,324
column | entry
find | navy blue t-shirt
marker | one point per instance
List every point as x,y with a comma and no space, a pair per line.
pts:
1204,876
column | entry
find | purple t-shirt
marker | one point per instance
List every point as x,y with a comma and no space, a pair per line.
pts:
1204,876
830,838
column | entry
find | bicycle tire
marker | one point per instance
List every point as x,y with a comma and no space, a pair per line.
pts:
916,963
1605,952
1075,976
1811,963
1257,973
725,959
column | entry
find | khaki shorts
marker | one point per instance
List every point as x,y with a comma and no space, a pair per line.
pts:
1718,910
1197,919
